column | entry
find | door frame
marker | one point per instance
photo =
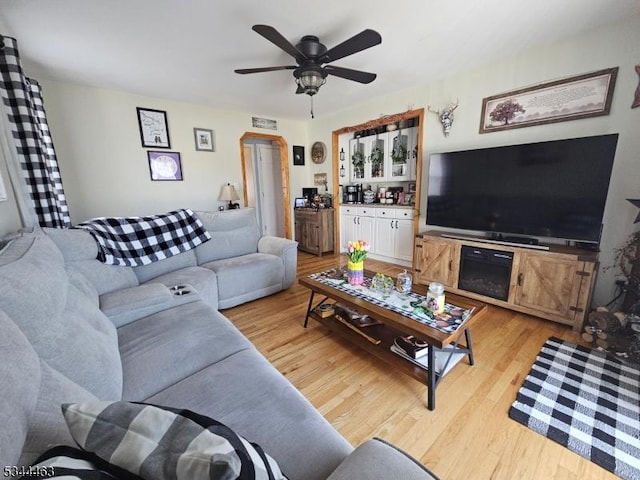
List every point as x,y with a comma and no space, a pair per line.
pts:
284,169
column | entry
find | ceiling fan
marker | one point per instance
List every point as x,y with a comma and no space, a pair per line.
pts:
312,58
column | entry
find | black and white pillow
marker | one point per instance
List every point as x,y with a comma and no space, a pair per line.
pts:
66,463
157,443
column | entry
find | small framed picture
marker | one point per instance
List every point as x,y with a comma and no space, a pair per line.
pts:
412,188
154,131
298,155
204,140
164,165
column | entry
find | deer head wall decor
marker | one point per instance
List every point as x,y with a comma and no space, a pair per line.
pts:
446,117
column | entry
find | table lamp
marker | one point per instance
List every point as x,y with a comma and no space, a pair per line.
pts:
229,194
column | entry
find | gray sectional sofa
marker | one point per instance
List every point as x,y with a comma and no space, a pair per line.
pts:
74,330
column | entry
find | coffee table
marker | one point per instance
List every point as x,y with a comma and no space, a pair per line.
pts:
377,339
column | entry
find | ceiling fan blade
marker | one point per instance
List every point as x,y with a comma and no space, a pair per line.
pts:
366,39
278,40
349,74
265,69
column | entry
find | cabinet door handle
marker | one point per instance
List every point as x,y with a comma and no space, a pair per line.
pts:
391,224
358,220
354,220
396,223
520,278
451,265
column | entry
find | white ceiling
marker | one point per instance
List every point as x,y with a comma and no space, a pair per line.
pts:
187,50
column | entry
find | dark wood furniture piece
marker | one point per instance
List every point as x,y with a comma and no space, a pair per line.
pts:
314,230
555,284
379,338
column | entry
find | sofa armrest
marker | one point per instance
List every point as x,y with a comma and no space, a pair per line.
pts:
377,459
130,304
287,250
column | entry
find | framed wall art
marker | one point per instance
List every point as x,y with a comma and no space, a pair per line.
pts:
298,155
204,140
164,165
581,96
154,131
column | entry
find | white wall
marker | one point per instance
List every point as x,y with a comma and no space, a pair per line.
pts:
617,45
105,169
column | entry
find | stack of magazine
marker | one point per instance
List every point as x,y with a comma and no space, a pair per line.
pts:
416,350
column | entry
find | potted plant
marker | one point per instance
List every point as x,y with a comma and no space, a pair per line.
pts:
399,153
376,158
357,159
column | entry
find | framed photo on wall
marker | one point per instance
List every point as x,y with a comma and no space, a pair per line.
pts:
154,131
298,155
164,165
204,140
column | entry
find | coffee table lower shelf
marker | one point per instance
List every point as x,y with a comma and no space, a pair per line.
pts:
377,340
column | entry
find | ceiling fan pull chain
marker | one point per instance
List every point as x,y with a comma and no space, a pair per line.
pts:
311,98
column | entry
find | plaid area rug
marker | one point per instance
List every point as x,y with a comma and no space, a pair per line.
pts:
586,401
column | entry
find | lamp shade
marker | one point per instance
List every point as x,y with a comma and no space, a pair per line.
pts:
228,193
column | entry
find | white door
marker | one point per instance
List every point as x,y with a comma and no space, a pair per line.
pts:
269,189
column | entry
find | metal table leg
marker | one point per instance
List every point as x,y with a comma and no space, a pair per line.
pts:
431,378
306,318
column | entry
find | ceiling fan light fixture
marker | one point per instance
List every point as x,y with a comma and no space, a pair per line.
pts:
311,79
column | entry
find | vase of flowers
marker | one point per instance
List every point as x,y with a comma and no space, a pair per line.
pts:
356,253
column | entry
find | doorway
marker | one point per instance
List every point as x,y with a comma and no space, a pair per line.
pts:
265,176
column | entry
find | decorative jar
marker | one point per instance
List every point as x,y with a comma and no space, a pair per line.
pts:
435,298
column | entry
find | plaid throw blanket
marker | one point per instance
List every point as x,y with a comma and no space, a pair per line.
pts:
134,241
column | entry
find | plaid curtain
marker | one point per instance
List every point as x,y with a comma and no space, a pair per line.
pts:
22,98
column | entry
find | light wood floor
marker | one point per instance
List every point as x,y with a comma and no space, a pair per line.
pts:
468,436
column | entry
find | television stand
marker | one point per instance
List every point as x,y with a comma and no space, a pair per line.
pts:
509,241
554,282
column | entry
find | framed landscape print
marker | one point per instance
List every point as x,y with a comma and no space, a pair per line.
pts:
204,139
164,165
582,96
154,131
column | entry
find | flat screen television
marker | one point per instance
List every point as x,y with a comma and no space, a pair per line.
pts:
555,189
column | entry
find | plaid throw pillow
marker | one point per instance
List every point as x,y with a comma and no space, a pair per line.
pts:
67,463
159,443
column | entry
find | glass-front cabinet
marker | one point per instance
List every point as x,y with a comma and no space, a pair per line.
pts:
377,150
403,153
357,159
383,156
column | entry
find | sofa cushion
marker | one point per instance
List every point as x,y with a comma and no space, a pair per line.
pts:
233,233
63,324
46,424
75,245
163,348
80,251
265,271
106,278
20,381
155,269
159,443
245,392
